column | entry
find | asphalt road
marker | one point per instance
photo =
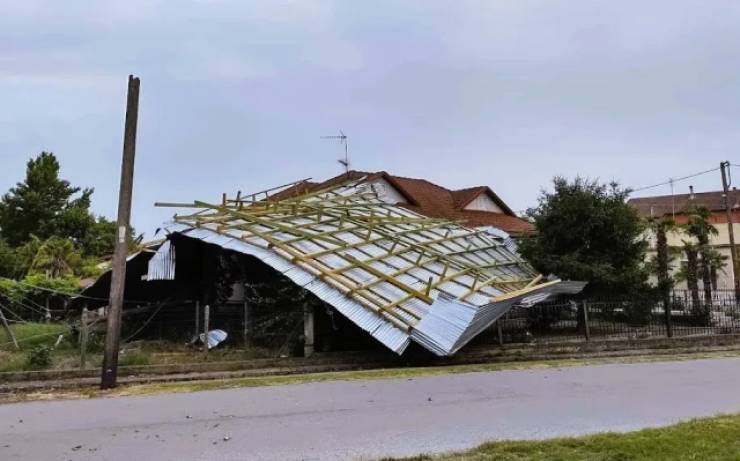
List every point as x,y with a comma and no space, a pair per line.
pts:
369,419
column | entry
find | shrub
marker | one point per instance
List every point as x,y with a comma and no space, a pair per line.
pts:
40,356
541,318
638,312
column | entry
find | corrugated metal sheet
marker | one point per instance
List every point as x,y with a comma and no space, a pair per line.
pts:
396,274
162,264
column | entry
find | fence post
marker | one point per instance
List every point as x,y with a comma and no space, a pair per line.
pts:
308,331
84,331
197,318
47,311
206,320
500,333
587,328
668,321
245,330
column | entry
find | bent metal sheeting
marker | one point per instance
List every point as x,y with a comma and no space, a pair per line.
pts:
396,274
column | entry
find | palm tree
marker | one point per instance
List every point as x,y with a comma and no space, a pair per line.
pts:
56,257
690,271
717,263
699,227
662,264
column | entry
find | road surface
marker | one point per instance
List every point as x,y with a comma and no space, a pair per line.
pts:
370,419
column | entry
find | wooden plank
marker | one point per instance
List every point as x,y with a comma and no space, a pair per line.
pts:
380,274
523,291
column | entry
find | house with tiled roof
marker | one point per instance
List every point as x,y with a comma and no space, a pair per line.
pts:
677,207
476,206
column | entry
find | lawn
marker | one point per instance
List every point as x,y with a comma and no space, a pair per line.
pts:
715,438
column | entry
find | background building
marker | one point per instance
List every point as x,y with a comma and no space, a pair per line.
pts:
678,207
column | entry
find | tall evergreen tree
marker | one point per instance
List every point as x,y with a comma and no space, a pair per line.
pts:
44,205
586,231
34,205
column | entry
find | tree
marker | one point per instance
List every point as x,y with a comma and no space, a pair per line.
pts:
717,263
34,205
662,261
699,227
691,271
25,255
45,206
56,258
586,231
7,260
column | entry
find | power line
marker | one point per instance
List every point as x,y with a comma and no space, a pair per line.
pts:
68,294
675,180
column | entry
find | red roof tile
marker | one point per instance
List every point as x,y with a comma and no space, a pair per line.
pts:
662,205
432,200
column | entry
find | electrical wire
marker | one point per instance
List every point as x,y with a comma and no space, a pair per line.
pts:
675,180
71,295
131,336
5,308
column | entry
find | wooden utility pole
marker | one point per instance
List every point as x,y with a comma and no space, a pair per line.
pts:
118,274
730,230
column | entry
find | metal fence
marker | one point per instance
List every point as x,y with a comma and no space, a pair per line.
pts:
689,314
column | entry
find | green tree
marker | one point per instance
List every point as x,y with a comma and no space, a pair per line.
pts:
690,272
34,205
661,263
8,260
586,231
44,206
56,258
699,227
25,255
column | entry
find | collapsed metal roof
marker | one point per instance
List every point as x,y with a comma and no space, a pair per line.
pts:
396,274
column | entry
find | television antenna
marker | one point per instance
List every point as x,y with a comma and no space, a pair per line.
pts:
342,140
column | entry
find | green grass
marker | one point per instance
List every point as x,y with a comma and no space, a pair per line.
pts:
715,438
135,358
32,334
29,336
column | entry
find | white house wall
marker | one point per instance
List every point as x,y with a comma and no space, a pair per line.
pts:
389,193
484,203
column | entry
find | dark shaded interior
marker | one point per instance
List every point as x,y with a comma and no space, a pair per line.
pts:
207,274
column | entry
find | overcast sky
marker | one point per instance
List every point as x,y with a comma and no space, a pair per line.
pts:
236,94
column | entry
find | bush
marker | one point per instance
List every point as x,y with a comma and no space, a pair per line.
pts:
541,318
638,312
40,357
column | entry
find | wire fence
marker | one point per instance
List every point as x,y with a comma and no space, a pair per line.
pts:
279,327
688,314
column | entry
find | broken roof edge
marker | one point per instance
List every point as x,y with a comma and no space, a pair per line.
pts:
449,325
335,241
